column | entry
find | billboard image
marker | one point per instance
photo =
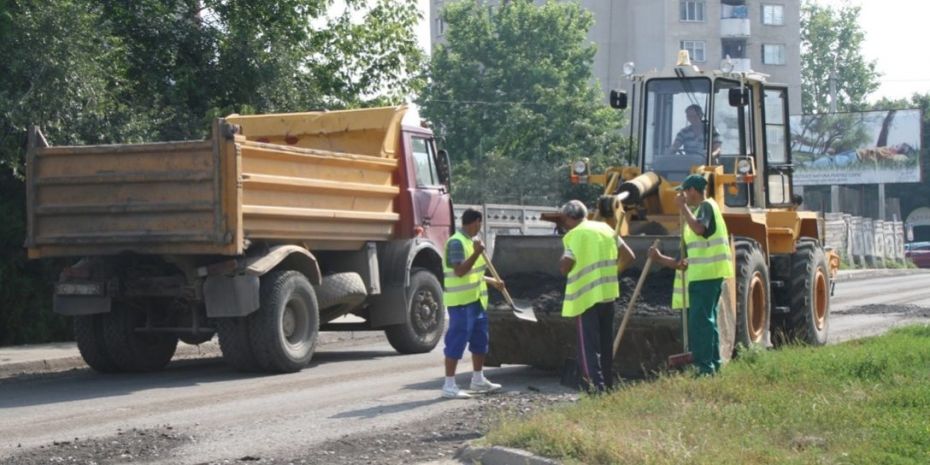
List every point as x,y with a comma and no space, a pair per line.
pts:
873,147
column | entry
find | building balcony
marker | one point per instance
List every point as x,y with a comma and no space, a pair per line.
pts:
734,27
741,65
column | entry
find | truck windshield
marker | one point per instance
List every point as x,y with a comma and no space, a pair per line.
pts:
677,134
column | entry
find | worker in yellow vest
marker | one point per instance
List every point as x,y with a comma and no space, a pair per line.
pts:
708,261
466,298
590,266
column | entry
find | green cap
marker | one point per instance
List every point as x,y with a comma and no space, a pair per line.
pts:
694,180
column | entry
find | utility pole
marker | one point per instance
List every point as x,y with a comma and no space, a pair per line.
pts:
834,189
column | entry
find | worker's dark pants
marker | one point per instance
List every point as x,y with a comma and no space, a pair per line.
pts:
595,346
703,297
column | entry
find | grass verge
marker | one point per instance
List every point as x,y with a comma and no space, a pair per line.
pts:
861,402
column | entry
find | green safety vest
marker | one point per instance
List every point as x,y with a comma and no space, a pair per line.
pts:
707,258
593,278
462,290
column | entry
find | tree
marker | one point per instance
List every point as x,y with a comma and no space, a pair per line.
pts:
831,41
514,99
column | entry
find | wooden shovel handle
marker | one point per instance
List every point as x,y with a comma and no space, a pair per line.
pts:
629,307
487,261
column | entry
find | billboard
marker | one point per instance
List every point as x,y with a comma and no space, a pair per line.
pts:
872,147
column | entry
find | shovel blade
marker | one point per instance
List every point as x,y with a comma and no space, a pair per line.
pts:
523,311
680,360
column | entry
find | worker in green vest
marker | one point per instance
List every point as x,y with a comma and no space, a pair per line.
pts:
707,260
590,266
466,298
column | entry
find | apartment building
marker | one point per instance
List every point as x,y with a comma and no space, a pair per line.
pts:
764,36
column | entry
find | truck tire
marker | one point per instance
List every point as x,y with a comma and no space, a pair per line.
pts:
807,320
131,350
341,292
283,331
88,334
425,316
753,299
234,343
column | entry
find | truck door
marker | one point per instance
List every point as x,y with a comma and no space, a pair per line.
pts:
778,168
432,207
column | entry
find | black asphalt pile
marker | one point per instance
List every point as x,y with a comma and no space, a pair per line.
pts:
545,292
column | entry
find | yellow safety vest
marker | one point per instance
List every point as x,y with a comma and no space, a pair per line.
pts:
593,278
462,290
707,258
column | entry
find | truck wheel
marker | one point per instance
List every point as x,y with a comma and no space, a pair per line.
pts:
807,321
283,331
753,302
426,316
341,292
234,343
88,334
131,350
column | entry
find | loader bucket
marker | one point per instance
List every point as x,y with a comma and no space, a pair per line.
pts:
529,266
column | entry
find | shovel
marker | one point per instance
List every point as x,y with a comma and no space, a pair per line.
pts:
523,312
684,358
629,307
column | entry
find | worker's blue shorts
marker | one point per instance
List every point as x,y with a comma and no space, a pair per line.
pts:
467,324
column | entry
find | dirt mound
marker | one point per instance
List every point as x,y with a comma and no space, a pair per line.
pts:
545,292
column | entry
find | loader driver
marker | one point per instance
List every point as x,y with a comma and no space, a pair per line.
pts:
691,140
590,264
708,263
466,296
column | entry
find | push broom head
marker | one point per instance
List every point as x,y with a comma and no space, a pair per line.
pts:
680,360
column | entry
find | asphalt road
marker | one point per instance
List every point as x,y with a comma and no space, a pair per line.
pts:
349,389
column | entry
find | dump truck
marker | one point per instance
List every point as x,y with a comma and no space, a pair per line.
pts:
783,276
265,233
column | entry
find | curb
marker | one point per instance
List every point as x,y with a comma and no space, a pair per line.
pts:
858,275
497,455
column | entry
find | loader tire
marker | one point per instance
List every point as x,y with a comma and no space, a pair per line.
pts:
425,316
131,350
807,321
753,299
341,292
234,343
284,330
88,333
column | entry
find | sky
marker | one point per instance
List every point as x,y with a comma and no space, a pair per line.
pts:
892,40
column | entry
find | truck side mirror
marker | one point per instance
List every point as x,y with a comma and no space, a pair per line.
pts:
738,97
444,168
618,99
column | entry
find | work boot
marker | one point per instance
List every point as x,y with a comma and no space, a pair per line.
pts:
453,392
483,385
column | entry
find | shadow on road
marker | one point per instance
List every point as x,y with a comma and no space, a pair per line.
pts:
372,412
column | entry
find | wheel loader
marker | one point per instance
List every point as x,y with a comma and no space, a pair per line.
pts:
783,276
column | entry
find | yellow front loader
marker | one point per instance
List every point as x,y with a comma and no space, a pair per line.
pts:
740,144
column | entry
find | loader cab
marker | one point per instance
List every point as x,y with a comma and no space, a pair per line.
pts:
728,120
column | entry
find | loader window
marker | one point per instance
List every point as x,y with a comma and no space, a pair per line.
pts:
425,164
736,136
777,159
677,133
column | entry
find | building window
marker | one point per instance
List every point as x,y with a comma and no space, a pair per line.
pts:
695,49
691,10
773,15
440,27
773,54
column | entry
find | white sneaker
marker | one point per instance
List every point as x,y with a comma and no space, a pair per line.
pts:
484,386
454,392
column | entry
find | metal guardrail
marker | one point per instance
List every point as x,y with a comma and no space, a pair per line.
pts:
507,219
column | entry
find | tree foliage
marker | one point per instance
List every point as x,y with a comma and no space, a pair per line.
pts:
513,94
831,43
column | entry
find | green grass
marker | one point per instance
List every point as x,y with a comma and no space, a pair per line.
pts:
861,402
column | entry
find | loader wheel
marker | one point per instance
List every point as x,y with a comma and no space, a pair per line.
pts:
807,321
234,343
129,349
283,331
425,319
753,302
340,293
88,333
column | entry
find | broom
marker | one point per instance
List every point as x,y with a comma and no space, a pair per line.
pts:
684,358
